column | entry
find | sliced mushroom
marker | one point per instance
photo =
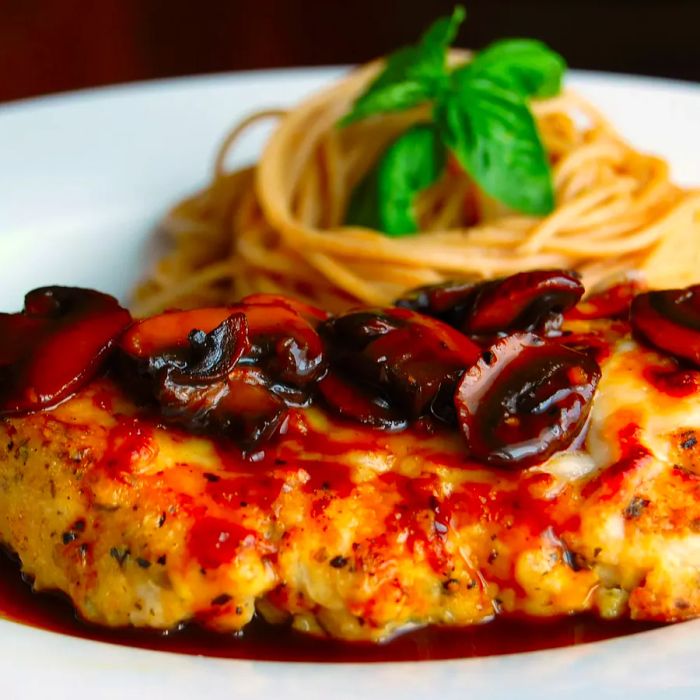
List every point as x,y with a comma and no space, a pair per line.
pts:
241,407
612,303
208,357
231,370
404,360
527,301
281,341
311,313
448,301
362,404
670,321
524,400
56,345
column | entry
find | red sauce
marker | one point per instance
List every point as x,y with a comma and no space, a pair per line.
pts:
672,380
633,455
103,398
259,491
130,440
327,477
613,302
596,344
214,542
326,480
418,496
264,642
485,503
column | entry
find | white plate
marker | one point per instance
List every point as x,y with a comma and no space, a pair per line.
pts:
83,179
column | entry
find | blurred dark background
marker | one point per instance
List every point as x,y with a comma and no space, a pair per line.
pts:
54,45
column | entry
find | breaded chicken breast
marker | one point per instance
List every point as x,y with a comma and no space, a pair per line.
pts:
354,531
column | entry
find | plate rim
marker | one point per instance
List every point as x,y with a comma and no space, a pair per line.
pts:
130,87
124,91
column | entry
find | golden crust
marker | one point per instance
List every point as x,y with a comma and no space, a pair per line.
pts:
353,532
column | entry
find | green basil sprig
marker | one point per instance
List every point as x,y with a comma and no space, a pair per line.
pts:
480,114
412,75
384,200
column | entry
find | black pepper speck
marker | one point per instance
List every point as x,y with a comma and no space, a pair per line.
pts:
221,599
635,508
120,555
689,442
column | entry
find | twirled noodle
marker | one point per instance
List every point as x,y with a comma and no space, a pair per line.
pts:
278,227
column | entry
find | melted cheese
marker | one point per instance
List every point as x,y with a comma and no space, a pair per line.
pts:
354,532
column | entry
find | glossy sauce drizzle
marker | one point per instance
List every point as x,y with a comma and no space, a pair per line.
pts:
264,642
261,641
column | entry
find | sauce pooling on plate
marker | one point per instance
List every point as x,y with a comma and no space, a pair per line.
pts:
365,474
265,642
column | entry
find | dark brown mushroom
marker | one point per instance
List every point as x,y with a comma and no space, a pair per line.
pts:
405,360
669,320
207,357
524,400
359,403
611,303
56,345
527,301
448,301
281,340
230,370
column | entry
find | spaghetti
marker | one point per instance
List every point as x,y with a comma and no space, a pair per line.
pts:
278,227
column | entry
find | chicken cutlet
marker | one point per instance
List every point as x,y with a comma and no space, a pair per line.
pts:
343,515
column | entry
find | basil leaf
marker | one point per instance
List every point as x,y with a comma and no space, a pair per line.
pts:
394,97
494,136
412,75
481,113
524,65
413,162
385,199
444,30
363,208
